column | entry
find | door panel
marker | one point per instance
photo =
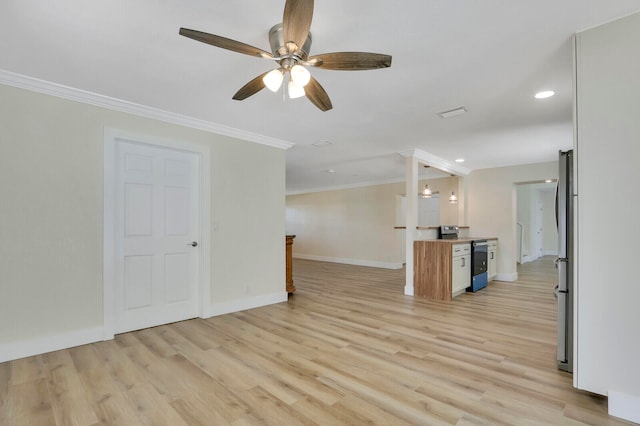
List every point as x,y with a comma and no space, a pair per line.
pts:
176,207
138,209
176,271
157,207
138,279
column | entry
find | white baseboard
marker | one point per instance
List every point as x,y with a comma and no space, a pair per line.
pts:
507,277
244,304
54,342
624,406
550,253
358,262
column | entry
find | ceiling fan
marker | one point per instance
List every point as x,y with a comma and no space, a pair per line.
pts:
290,43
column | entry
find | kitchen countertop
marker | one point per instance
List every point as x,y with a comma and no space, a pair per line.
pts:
461,240
435,228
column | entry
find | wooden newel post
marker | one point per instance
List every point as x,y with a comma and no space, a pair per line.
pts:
290,287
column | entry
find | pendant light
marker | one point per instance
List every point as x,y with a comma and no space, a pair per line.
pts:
453,199
426,192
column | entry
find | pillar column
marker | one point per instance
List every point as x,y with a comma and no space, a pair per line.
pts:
411,218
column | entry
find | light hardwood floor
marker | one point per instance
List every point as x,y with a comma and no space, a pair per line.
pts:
347,348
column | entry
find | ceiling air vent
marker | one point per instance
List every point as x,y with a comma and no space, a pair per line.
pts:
452,112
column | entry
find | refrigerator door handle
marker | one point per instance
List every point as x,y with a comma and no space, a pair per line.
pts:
562,276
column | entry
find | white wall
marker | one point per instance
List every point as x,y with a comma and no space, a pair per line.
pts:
51,222
492,207
608,174
349,225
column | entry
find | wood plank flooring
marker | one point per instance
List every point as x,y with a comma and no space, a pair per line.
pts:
347,348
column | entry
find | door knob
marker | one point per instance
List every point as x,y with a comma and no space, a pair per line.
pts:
193,244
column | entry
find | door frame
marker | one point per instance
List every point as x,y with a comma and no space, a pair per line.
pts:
111,137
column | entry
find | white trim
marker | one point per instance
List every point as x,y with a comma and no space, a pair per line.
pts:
600,24
90,98
223,308
111,136
624,406
346,186
550,253
424,157
108,235
577,373
357,262
56,342
507,277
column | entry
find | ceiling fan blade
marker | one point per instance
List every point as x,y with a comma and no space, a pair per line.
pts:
296,21
350,61
225,43
251,88
317,95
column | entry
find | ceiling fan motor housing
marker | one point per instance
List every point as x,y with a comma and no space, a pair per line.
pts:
279,48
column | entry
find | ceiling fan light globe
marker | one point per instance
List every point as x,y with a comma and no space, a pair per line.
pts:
273,80
300,75
295,91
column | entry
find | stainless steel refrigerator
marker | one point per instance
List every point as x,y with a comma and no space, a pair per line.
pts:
564,290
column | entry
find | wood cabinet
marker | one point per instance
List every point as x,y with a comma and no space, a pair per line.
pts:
441,268
492,259
289,261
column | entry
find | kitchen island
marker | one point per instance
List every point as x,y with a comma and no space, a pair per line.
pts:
442,268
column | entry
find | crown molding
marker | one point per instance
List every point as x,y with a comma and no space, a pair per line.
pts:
434,161
345,186
48,88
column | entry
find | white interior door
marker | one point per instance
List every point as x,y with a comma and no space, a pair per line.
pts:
537,225
156,235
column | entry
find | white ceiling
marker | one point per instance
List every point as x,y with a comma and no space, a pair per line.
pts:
489,55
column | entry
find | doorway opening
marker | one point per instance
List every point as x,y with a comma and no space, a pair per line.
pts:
536,232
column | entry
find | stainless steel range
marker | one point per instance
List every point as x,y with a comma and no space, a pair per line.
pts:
448,232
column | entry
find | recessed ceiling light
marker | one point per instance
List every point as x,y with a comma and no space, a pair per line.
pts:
545,94
330,171
452,112
459,160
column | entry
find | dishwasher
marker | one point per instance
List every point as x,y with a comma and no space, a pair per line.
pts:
479,250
